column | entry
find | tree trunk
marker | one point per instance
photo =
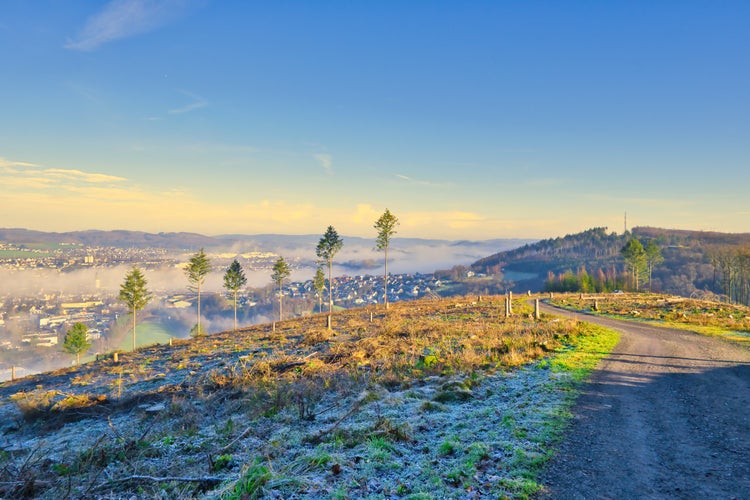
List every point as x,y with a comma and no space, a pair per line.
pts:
281,301
198,325
134,328
330,292
235,310
385,279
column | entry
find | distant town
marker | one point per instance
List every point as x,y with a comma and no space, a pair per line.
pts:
33,323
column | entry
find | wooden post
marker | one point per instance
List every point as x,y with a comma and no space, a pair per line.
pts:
328,321
528,293
507,309
536,308
596,304
510,302
551,295
12,373
116,357
170,341
274,326
370,316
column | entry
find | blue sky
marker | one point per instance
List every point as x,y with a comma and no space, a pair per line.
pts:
467,120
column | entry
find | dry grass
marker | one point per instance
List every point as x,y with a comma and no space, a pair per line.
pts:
300,369
731,321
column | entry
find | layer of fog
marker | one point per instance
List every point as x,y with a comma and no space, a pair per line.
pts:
357,258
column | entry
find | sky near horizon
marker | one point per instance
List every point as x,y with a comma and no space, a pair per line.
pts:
468,120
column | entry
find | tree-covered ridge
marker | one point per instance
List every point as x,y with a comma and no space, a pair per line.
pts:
572,251
694,263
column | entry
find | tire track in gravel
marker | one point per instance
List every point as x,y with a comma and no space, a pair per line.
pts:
665,415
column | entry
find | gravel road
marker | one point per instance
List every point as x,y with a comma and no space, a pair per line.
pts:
666,415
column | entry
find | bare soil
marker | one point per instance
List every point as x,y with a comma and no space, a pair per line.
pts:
666,415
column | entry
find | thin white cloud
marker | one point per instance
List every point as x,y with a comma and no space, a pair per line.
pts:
83,176
417,182
126,18
326,161
198,103
18,175
8,163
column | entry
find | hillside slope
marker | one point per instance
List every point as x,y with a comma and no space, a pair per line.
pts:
688,267
376,408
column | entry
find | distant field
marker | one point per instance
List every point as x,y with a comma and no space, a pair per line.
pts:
145,334
48,246
19,254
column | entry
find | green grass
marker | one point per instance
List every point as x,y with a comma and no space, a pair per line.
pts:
709,330
581,358
145,334
577,361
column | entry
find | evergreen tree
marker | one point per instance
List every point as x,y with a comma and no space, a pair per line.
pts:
196,271
280,273
77,341
234,280
327,248
134,293
386,226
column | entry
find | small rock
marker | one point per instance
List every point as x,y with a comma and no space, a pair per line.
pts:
156,408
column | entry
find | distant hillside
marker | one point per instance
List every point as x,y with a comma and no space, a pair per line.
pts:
259,242
117,238
690,259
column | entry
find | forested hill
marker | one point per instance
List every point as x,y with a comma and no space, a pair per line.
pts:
694,261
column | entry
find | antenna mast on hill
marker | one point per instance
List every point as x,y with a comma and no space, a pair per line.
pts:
626,222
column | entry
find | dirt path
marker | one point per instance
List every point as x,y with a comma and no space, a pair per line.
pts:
666,415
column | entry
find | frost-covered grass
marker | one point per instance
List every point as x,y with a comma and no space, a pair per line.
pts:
432,399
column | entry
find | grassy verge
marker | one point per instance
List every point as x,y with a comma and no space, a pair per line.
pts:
570,368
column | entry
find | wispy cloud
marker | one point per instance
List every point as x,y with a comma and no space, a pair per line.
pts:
126,18
418,182
8,163
197,103
25,175
326,161
82,176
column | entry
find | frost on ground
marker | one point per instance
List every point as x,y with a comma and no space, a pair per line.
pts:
437,400
444,438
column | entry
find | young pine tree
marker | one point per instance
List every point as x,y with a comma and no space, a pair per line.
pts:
327,248
77,341
280,273
196,271
234,280
134,293
386,226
